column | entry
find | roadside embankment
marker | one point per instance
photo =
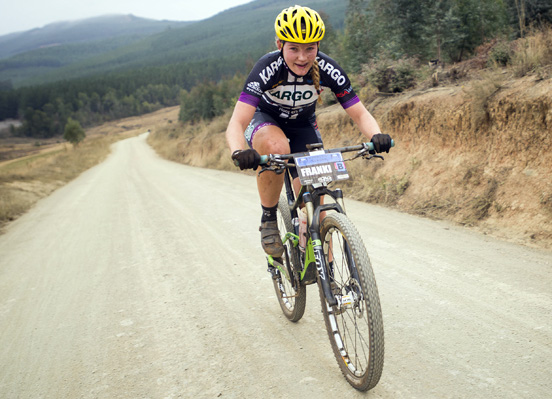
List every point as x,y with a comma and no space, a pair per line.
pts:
479,155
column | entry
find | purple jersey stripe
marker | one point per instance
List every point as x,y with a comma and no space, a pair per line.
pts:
351,102
249,99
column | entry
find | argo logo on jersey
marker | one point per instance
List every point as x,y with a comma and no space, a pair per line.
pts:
292,95
334,73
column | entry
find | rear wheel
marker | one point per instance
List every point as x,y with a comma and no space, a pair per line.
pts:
292,296
355,325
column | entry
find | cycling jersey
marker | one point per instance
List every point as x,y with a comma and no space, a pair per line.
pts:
274,89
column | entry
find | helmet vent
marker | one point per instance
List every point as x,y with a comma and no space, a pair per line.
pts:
299,25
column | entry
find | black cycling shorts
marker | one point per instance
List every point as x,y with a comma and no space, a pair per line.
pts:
299,134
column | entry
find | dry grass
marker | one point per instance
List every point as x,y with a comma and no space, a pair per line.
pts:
533,54
26,180
201,144
480,91
35,174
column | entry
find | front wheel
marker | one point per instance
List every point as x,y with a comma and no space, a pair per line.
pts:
292,296
354,325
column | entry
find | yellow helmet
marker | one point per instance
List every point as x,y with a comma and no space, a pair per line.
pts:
299,25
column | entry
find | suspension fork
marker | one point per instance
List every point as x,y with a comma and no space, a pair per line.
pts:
351,261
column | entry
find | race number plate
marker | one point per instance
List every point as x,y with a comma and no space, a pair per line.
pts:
320,167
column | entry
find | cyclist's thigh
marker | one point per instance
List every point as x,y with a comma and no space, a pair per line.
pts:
270,139
265,135
300,135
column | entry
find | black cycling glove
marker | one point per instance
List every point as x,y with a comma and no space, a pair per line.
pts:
382,142
246,159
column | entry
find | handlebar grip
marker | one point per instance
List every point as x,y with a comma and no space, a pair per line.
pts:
370,145
263,161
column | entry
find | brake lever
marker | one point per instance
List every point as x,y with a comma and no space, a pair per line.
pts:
370,156
278,171
361,153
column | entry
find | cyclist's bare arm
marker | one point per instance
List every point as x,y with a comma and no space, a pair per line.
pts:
243,113
364,120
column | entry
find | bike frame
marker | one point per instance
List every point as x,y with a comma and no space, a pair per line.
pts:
314,253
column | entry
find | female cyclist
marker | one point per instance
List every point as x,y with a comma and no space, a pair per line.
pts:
276,108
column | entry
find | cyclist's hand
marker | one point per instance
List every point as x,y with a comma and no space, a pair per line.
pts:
382,142
246,159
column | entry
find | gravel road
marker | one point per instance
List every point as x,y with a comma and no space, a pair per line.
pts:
145,279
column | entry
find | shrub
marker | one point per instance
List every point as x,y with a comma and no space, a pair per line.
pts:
73,132
391,76
500,54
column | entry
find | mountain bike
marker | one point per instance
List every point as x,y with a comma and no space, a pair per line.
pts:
329,251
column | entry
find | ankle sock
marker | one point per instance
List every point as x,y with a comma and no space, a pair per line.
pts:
269,214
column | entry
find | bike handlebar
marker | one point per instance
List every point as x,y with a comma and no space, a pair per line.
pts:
364,146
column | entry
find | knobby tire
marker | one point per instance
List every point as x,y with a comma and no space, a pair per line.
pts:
355,329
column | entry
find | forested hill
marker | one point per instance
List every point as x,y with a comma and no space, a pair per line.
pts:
91,30
39,55
238,33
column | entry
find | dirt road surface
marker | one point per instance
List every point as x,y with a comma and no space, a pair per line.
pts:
145,279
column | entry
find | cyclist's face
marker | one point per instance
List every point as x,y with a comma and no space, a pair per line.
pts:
299,57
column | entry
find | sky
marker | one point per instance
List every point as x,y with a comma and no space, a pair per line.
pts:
22,15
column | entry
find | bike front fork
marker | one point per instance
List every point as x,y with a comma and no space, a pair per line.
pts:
323,270
313,217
